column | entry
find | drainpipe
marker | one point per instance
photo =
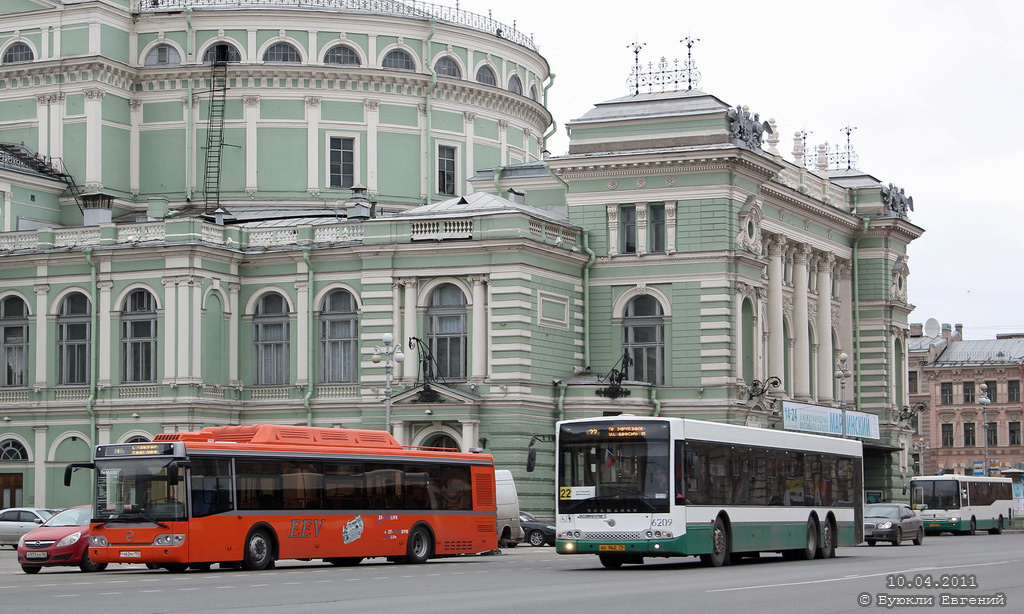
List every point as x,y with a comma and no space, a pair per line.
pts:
856,315
94,348
554,124
561,399
429,96
311,338
655,402
190,121
586,298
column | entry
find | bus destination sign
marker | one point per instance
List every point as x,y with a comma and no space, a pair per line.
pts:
619,431
138,449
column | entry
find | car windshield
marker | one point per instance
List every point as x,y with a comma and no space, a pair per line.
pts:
72,517
882,511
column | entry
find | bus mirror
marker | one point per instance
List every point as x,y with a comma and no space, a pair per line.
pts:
173,476
904,489
71,468
531,459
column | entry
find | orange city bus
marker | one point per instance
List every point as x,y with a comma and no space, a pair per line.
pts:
249,495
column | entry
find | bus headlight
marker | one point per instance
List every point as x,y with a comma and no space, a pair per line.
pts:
98,540
954,519
169,539
70,539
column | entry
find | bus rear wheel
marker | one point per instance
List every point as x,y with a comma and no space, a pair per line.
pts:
420,546
998,529
810,549
827,549
719,554
257,551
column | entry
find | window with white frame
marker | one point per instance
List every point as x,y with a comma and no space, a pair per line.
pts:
446,331
656,228
338,338
342,161
138,338
446,170
12,450
162,55
73,340
485,75
627,230
18,52
643,338
222,53
342,55
515,85
282,53
396,59
447,67
270,339
14,342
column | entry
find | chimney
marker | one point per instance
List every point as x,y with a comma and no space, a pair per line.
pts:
157,207
917,330
946,330
959,331
96,208
517,197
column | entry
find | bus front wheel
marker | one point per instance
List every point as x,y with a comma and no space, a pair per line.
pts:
257,551
719,554
611,561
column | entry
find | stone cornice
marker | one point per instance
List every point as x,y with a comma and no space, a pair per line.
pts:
659,162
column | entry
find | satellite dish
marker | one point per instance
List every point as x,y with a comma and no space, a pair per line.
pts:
932,328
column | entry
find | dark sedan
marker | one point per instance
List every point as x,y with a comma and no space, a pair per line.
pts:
892,522
536,533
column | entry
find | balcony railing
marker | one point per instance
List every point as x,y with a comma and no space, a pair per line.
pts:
393,8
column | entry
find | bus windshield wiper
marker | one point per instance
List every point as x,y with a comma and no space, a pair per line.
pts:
133,517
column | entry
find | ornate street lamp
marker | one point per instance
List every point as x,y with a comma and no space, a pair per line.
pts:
387,353
842,374
984,401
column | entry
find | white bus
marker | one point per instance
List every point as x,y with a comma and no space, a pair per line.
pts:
634,487
962,503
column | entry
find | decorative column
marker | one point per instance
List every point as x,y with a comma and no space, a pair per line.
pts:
846,307
824,326
104,333
470,434
313,165
398,431
170,336
470,119
372,124
252,114
103,434
479,369
409,328
776,328
802,347
41,341
396,325
641,228
186,287
613,230
94,137
425,154
503,140
235,321
39,464
670,226
43,121
57,101
302,299
135,106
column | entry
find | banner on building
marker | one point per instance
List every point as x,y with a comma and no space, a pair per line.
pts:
828,420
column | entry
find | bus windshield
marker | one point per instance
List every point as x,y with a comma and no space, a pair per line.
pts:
618,466
133,490
935,495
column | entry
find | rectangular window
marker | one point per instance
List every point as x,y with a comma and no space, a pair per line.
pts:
1013,391
992,433
627,227
968,392
272,353
1015,433
446,170
992,396
946,391
343,162
448,344
969,431
656,228
73,354
138,351
14,354
947,435
339,349
912,382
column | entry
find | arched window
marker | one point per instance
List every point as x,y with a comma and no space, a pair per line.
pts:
446,331
396,59
163,55
14,342
515,85
137,439
486,76
343,55
73,339
270,337
643,338
448,67
12,450
282,53
138,338
338,338
222,53
441,440
18,52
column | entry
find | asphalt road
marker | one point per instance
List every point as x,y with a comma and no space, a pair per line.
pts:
535,580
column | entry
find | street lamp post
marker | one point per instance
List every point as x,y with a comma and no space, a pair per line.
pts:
388,353
842,374
984,401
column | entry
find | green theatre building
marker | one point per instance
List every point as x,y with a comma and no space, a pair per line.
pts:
213,216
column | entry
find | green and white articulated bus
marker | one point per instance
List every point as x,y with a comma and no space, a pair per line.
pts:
633,487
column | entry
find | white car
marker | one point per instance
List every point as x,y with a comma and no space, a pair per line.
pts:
17,521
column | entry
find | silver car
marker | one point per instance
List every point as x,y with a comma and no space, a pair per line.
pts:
17,521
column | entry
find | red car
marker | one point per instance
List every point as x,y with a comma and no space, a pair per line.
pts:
61,540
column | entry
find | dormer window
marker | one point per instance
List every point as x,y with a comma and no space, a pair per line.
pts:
343,55
282,53
515,85
18,52
486,76
163,55
447,67
397,59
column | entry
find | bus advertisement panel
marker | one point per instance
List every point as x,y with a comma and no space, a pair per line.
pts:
250,495
962,503
634,487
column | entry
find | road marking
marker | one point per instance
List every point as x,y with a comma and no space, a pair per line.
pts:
259,585
860,576
286,583
319,581
189,589
153,590
65,595
116,593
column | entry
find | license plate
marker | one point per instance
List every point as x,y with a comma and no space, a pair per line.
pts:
612,547
35,555
131,554
933,524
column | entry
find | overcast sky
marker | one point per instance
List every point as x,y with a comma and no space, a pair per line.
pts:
933,88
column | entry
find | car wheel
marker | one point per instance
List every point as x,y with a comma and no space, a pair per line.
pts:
88,566
920,538
30,569
536,538
871,542
899,537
